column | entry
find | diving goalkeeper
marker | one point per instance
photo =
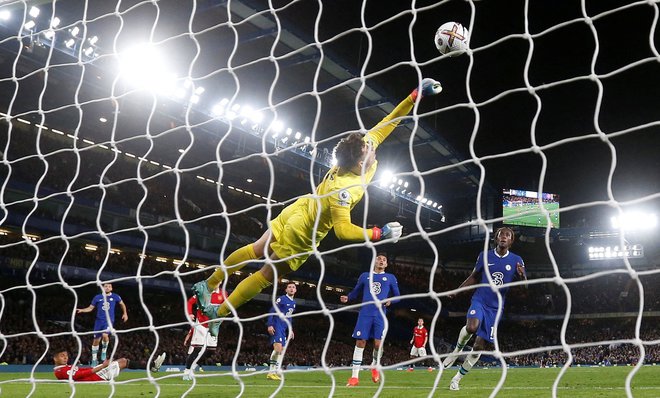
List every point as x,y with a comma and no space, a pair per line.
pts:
292,235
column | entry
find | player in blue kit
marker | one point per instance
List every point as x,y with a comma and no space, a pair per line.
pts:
504,267
279,329
105,310
370,323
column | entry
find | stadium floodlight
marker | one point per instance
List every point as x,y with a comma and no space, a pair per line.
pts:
307,140
55,22
276,127
233,112
289,131
34,11
102,119
49,34
89,51
218,109
635,221
194,99
199,90
385,177
298,135
599,253
143,66
93,40
256,116
246,113
74,31
29,25
69,43
5,15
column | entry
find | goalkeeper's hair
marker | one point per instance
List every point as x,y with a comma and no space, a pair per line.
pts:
348,151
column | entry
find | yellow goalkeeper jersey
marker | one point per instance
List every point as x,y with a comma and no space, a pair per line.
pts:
294,231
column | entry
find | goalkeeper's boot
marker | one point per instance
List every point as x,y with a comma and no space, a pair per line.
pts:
454,384
375,375
211,311
273,376
353,382
158,362
201,290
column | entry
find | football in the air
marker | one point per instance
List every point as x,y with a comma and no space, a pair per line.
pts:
451,37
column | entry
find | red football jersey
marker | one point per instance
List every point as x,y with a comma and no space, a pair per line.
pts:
420,335
216,298
79,374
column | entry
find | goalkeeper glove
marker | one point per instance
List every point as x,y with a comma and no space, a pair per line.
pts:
427,88
391,230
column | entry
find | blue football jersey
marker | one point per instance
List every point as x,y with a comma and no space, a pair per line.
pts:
287,306
502,270
383,284
109,304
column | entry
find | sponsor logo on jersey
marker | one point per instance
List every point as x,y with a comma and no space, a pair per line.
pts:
498,278
376,288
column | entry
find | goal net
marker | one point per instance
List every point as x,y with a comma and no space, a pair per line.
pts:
144,141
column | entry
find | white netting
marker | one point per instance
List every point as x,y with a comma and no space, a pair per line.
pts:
143,142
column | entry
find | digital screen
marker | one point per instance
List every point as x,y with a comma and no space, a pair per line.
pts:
521,207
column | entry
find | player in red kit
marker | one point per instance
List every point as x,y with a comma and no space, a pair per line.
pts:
200,339
419,340
104,372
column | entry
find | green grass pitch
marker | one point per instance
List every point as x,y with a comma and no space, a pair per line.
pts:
520,382
531,219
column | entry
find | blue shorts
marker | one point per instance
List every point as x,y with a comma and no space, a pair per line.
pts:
486,316
369,327
101,327
279,337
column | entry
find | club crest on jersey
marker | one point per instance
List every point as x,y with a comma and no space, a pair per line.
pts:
498,278
508,267
473,312
344,198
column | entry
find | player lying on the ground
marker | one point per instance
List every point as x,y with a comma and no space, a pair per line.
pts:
302,225
108,370
503,267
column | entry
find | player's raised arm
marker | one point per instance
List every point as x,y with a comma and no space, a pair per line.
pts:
384,128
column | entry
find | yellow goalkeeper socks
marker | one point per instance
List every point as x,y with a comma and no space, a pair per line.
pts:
242,255
244,292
